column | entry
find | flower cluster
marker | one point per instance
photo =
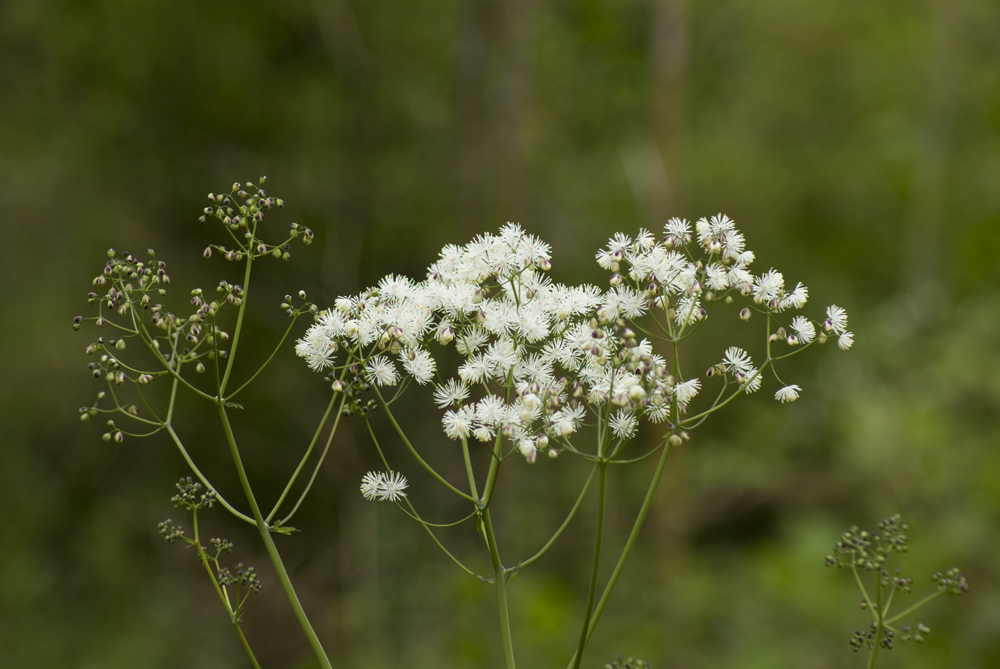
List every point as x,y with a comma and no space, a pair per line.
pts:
541,359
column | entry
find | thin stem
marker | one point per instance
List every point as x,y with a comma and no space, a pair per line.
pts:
913,608
413,451
272,550
629,544
201,477
266,362
239,326
562,527
501,590
233,616
468,468
598,539
305,457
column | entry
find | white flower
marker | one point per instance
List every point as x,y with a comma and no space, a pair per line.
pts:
767,287
450,393
836,319
458,424
317,348
804,329
685,392
419,364
845,341
475,369
623,424
787,394
737,361
382,486
717,276
750,380
528,449
381,371
797,298
677,229
688,311
491,411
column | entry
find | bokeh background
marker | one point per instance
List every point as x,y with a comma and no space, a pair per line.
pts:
856,143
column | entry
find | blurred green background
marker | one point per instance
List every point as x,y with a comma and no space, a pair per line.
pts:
856,143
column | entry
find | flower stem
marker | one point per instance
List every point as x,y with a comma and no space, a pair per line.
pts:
501,590
272,550
598,539
629,544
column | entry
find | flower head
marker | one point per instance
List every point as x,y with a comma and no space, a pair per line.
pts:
382,486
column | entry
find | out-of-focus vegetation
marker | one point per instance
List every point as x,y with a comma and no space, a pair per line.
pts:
857,144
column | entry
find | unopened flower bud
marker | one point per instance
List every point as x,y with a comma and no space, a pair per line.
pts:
745,313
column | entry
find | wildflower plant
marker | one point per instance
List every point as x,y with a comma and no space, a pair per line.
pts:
871,551
519,366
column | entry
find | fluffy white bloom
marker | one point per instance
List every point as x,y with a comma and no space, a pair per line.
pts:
528,449
623,424
804,329
717,276
677,229
685,391
688,311
491,411
317,348
450,393
797,298
382,486
737,361
419,364
458,424
381,371
787,394
836,319
845,341
475,369
768,287
750,380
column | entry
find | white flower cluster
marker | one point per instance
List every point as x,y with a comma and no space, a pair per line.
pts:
540,358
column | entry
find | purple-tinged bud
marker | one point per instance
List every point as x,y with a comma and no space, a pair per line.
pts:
745,313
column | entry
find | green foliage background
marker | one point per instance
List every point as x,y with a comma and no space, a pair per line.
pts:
857,144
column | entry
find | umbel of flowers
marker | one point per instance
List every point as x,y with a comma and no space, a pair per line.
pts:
540,359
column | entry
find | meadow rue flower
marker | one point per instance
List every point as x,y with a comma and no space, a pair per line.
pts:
685,392
384,486
836,320
787,394
381,371
804,329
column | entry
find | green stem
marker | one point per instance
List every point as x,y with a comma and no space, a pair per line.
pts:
239,325
413,451
598,539
562,527
201,477
913,608
233,617
305,457
501,590
272,550
878,623
629,544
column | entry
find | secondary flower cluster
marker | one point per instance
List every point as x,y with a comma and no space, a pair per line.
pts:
539,359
